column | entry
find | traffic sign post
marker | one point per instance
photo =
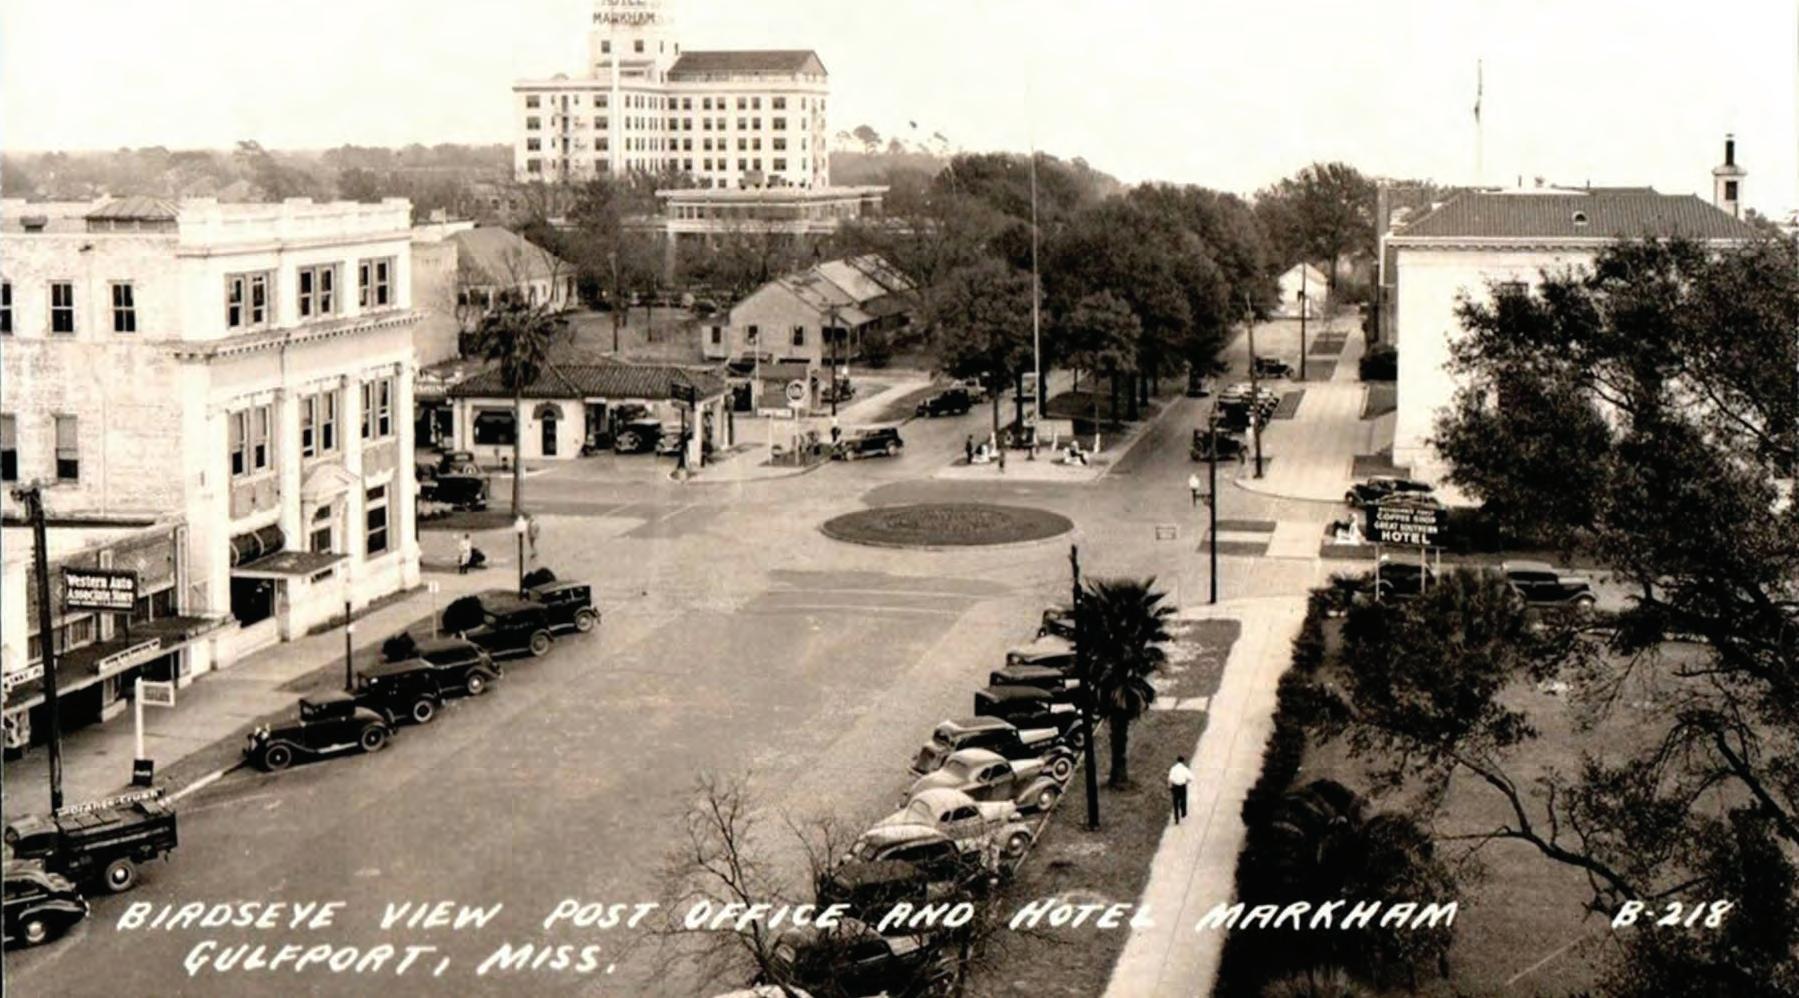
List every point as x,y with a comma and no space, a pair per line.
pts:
156,694
796,394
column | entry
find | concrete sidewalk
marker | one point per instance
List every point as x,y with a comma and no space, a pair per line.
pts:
1195,866
1313,454
97,758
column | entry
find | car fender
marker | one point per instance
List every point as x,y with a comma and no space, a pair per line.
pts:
1037,786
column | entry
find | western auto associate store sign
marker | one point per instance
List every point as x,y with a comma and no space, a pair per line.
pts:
1411,523
104,589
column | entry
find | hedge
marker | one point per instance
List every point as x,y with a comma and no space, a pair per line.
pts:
1380,363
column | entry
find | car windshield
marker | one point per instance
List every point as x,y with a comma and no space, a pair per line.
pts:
959,768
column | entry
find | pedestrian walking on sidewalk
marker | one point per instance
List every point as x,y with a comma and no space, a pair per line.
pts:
1178,778
1002,459
1193,486
968,449
465,553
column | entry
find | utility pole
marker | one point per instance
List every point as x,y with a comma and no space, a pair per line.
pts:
349,650
1087,720
1255,386
1212,498
1303,306
32,498
617,297
832,333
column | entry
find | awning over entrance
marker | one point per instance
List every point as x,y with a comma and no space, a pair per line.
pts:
287,564
251,546
325,482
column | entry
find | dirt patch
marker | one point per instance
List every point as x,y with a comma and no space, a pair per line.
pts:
1381,399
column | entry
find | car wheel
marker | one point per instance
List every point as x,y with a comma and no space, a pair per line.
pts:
1046,798
1077,739
892,450
1584,604
586,620
1061,767
540,644
35,930
1017,843
121,875
277,757
374,738
476,684
424,710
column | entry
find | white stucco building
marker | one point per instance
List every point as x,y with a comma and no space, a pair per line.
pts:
235,378
729,119
1479,239
1302,286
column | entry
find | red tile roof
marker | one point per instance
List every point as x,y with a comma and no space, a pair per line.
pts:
1598,214
758,61
649,382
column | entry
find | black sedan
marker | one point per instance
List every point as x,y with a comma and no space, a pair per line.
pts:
874,442
1380,487
326,725
951,402
414,686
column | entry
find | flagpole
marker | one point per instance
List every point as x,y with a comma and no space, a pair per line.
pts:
1480,151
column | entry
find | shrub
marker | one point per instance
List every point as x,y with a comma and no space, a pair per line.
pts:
877,349
398,647
462,614
538,577
1380,363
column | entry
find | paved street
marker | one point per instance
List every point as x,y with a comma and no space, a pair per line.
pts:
737,637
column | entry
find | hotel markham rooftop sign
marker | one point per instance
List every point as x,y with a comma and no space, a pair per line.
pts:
620,12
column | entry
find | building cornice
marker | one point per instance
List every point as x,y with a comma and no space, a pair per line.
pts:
1520,243
275,339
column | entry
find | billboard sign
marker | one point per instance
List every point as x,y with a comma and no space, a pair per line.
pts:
1407,521
105,589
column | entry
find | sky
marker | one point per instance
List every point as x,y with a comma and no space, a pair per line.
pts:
1228,95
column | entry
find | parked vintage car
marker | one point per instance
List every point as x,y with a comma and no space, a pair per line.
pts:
997,735
415,687
570,605
1042,677
1543,585
992,829
1373,490
1273,367
988,776
39,905
502,623
1030,707
326,724
100,843
1215,445
1058,622
641,436
1051,651
1397,579
949,402
459,491
880,441
933,871
851,958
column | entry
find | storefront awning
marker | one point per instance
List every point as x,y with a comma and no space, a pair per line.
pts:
89,664
286,565
248,547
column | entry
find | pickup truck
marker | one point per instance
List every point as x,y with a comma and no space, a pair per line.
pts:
100,842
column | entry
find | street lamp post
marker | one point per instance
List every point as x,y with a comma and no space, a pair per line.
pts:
1255,387
1212,498
1302,320
349,653
32,498
519,527
833,333
1090,752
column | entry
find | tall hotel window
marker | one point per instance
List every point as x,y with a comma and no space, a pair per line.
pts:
9,448
376,507
62,307
374,283
246,301
68,449
318,290
377,409
5,308
124,308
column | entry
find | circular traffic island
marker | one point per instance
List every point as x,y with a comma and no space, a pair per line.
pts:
946,525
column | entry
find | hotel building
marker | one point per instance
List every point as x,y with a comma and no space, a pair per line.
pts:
727,119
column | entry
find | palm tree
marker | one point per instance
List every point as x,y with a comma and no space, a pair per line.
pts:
1122,625
517,337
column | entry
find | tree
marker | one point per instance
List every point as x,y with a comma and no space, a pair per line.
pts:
870,139
980,318
1323,212
517,337
358,184
1123,623
1099,336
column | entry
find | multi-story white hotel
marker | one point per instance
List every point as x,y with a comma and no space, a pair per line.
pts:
219,394
737,120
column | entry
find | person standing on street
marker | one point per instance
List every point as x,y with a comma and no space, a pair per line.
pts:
968,449
1193,486
1002,459
1178,778
465,551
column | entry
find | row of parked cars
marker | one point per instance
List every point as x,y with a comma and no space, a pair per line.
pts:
979,788
415,676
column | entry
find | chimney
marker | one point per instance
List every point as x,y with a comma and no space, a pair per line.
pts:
1730,150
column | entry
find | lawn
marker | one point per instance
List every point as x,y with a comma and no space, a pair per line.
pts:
1521,926
947,524
1382,398
1111,865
